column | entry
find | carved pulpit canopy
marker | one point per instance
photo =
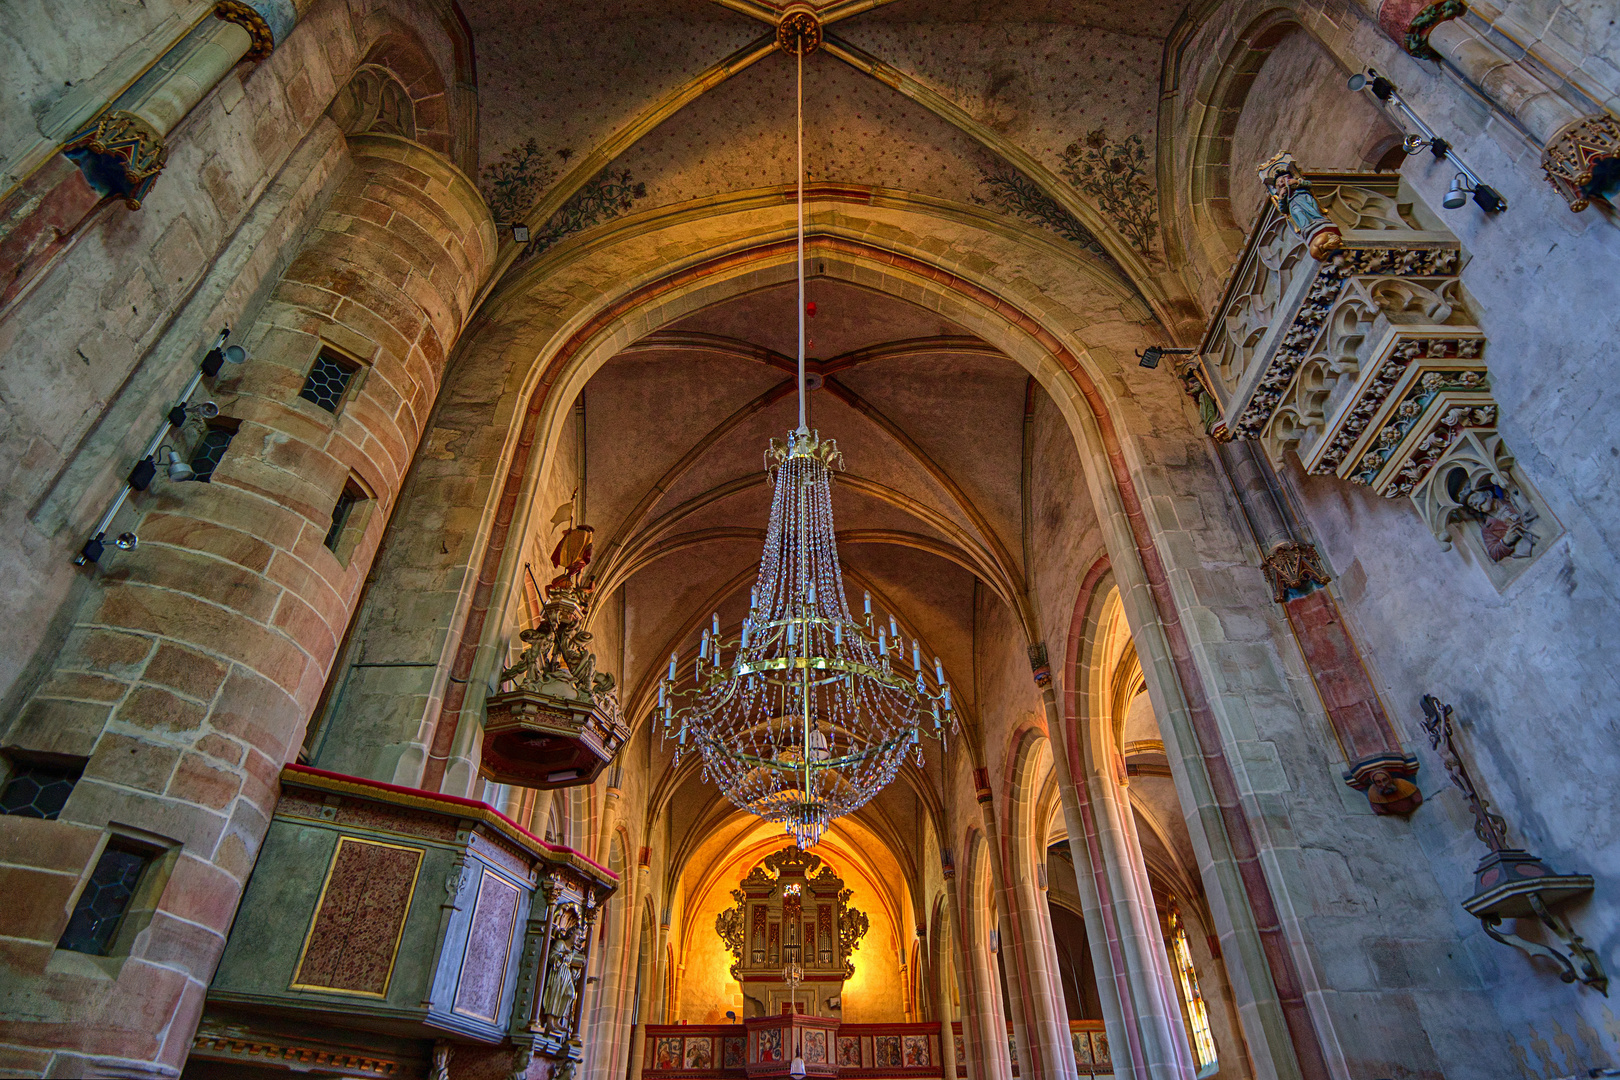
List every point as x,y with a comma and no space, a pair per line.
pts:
1345,337
792,909
560,723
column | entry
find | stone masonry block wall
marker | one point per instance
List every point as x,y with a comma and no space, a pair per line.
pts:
94,348
197,659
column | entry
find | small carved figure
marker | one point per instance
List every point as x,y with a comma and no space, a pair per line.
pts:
1291,194
562,982
1505,516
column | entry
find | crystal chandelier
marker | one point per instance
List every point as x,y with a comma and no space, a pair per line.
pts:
809,712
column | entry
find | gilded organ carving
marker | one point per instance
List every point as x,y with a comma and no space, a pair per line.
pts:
792,934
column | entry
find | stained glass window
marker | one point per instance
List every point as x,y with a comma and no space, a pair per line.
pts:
1203,1043
105,899
35,790
327,380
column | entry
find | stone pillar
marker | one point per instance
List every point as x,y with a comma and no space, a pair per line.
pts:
121,149
1036,1018
1377,765
1580,150
1031,1061
1141,1011
1159,1035
196,660
981,1061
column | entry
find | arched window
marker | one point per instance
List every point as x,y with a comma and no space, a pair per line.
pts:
1197,1016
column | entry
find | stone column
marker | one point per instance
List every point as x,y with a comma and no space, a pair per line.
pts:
1031,1062
196,660
1575,143
1377,764
1140,1010
121,149
1029,962
982,1061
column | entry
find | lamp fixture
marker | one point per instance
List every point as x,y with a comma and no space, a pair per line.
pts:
805,715
178,470
520,231
1150,357
1467,182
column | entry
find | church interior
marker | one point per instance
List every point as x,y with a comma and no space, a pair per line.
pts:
884,539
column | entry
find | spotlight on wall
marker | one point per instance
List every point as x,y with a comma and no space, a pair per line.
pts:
222,354
179,471
520,231
1457,197
205,410
731,1016
1382,88
126,541
1467,182
1150,357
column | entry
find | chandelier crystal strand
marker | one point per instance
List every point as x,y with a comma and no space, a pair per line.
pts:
809,712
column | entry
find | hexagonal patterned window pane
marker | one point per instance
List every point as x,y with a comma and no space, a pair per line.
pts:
326,381
212,447
35,790
105,899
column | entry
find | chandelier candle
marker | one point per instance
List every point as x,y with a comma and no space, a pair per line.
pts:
811,717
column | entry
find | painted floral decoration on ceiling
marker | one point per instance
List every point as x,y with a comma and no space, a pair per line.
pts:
1014,193
515,183
603,197
1115,173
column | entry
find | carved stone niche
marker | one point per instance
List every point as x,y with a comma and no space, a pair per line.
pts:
560,723
1368,365
374,100
386,927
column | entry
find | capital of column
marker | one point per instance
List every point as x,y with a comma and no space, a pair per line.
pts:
1293,570
1408,22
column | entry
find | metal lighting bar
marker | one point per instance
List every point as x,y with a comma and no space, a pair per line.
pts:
93,547
1486,197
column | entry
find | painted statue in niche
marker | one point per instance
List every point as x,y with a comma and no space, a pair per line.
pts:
1504,515
562,982
1291,194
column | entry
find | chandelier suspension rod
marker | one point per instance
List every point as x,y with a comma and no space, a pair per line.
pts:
799,67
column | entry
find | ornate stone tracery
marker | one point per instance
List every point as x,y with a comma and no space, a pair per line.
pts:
1366,363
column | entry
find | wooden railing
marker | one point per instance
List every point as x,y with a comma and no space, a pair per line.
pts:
1092,1056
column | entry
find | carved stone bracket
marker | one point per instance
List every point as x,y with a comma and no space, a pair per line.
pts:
1293,570
1511,883
1582,160
1386,780
119,154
